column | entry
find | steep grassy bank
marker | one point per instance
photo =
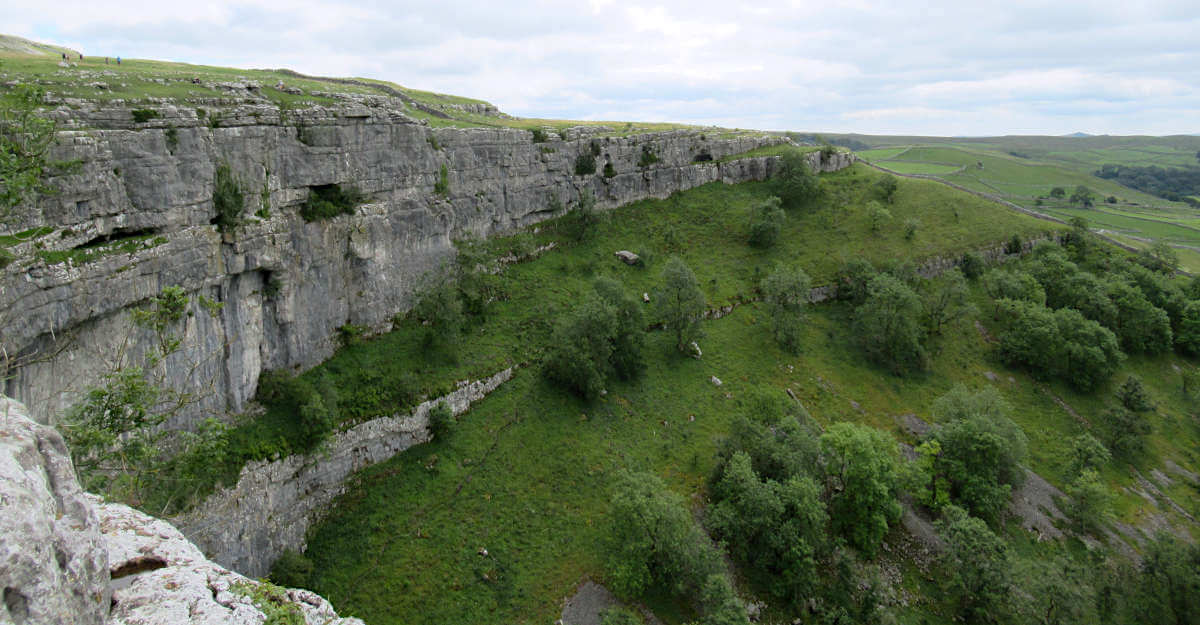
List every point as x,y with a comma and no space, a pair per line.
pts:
526,475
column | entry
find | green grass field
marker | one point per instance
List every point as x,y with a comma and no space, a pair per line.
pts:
1023,170
525,473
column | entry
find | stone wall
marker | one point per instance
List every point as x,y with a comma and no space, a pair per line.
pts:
287,285
273,504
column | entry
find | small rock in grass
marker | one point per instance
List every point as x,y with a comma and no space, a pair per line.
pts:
627,257
715,380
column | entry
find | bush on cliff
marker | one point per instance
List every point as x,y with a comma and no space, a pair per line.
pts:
330,200
794,182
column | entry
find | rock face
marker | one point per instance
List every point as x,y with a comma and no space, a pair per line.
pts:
53,565
68,558
271,507
168,581
287,285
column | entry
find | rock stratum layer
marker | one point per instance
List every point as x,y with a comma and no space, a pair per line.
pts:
287,285
68,558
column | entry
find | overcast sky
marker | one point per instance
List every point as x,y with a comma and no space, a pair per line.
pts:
938,68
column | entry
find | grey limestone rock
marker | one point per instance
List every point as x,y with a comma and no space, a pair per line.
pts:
53,566
287,284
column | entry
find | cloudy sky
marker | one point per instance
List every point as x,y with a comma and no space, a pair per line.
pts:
890,67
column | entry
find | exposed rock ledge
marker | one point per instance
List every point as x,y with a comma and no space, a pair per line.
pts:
68,558
271,507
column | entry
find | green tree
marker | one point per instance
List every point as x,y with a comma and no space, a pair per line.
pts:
1058,192
972,264
775,529
1087,453
582,347
1187,337
944,300
1168,587
888,325
1089,502
981,450
794,182
1159,257
981,582
1132,394
25,141
877,215
1141,326
860,481
440,310
767,223
786,293
1083,196
653,540
1002,284
887,187
581,221
1123,431
679,302
1058,343
853,278
629,337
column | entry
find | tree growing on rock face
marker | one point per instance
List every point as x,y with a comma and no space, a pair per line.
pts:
785,293
25,141
679,302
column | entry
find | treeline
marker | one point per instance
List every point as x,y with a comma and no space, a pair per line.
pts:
1177,184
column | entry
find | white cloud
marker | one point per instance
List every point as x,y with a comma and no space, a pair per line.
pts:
938,66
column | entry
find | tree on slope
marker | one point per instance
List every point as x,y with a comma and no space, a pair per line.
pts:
679,302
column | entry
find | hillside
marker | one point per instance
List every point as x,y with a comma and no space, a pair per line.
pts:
1025,170
462,366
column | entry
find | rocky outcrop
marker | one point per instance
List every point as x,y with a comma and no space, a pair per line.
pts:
67,558
273,504
287,285
164,580
53,565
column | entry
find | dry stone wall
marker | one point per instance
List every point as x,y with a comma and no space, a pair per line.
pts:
287,285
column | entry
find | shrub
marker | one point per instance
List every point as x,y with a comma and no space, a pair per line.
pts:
171,134
580,223
1089,501
1014,245
441,310
679,302
910,228
581,348
229,199
972,265
888,325
981,451
629,338
1058,192
609,172
1132,394
441,420
6,257
794,182
585,164
350,333
442,185
980,582
767,224
878,215
1123,431
648,157
329,201
852,280
786,293
291,570
539,135
143,115
861,480
887,187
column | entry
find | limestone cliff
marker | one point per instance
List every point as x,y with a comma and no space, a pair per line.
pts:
286,285
67,557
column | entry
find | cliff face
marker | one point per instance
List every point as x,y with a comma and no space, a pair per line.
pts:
286,285
68,558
